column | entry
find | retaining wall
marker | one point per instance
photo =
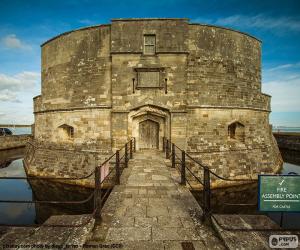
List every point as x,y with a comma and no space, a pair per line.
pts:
13,141
289,141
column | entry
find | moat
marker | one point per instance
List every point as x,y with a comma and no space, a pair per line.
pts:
16,213
23,214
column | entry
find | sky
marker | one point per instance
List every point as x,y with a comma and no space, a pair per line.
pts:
26,24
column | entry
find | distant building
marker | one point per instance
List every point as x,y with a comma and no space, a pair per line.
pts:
199,85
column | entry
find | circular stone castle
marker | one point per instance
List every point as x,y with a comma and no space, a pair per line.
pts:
198,85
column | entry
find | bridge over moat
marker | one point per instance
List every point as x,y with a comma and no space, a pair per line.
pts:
150,206
151,209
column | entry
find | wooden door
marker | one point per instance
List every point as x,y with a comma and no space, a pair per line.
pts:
148,134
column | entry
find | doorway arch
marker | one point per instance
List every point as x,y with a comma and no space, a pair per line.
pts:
153,115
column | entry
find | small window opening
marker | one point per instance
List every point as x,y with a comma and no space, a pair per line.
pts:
149,44
66,132
236,131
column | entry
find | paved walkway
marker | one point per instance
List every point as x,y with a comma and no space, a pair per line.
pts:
151,210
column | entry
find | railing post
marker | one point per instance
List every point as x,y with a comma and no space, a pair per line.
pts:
173,155
183,177
97,195
118,167
164,144
130,151
134,145
126,156
167,149
206,189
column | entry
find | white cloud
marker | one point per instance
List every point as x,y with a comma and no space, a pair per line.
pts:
23,80
16,115
283,84
285,66
12,42
11,85
259,21
8,96
86,21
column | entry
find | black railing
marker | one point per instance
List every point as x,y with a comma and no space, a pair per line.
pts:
171,151
119,162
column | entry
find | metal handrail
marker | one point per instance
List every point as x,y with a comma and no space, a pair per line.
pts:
50,202
195,176
178,147
207,172
98,198
178,157
216,175
107,175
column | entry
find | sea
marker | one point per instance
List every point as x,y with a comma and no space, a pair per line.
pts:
286,129
20,130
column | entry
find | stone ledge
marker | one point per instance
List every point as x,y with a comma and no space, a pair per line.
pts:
48,235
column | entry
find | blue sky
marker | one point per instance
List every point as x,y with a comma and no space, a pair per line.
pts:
24,25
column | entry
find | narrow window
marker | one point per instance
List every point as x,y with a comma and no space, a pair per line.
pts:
231,130
149,44
236,131
66,132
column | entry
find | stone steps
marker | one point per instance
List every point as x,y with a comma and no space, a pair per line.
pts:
246,239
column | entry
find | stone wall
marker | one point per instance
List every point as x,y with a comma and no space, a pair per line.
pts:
127,34
224,69
91,128
290,141
208,141
76,70
65,161
204,81
13,141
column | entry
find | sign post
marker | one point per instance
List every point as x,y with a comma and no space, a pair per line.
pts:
279,193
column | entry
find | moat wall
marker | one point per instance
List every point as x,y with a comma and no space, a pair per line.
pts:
13,141
289,141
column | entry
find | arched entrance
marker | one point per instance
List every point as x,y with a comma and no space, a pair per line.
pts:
148,134
149,124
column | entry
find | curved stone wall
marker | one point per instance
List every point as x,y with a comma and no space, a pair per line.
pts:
76,70
204,92
224,69
208,140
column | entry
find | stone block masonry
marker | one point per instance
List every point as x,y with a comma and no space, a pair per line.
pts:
198,85
151,210
13,141
290,141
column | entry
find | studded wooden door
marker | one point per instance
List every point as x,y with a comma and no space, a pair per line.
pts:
148,134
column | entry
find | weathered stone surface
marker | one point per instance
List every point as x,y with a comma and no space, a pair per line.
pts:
14,141
48,236
206,96
254,239
290,141
152,221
